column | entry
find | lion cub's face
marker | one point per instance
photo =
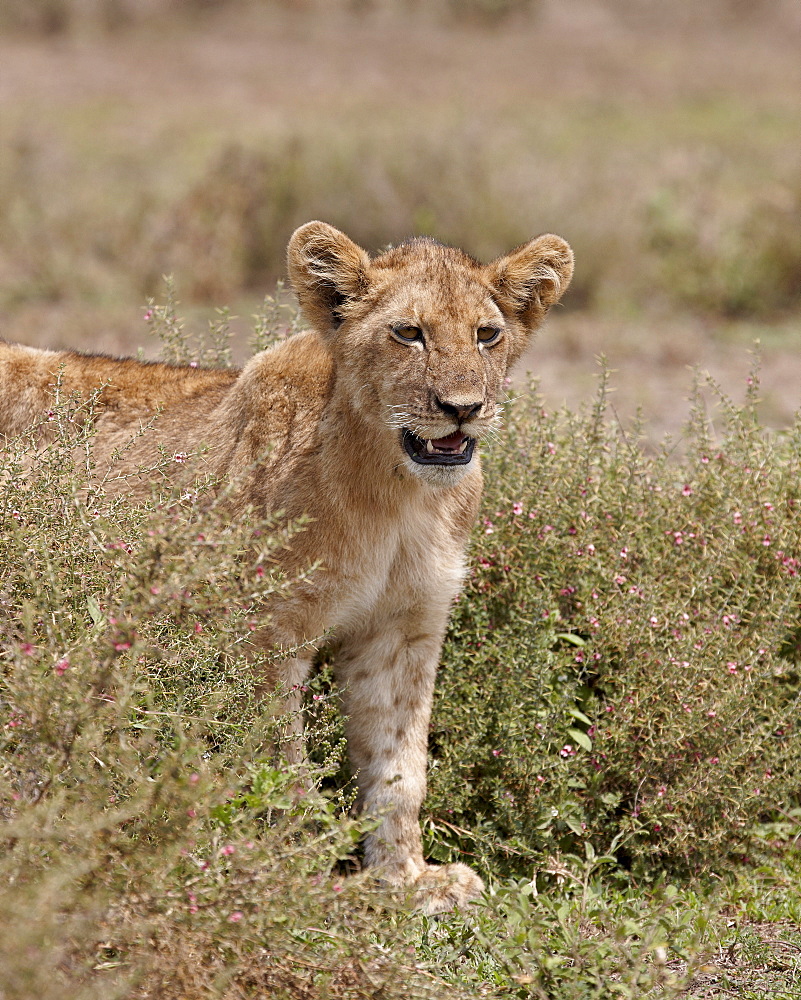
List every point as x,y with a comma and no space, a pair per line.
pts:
423,335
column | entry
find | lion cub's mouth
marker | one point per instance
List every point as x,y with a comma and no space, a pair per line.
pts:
455,449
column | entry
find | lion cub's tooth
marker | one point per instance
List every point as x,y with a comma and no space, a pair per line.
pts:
463,445
430,446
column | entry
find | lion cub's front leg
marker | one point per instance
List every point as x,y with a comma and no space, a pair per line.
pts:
388,682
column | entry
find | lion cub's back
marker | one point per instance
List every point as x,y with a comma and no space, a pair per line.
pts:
128,390
272,415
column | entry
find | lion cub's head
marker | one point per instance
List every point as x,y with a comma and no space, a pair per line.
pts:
423,335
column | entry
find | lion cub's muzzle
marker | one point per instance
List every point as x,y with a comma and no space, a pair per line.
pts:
455,449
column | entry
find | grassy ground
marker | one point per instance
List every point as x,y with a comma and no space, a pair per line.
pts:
615,741
665,148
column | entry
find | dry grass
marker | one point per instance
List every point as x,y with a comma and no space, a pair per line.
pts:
153,849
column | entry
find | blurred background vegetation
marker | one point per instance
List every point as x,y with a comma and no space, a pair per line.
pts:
144,137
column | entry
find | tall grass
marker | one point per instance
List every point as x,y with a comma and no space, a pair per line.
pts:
616,728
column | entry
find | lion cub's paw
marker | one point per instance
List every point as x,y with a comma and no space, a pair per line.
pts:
439,888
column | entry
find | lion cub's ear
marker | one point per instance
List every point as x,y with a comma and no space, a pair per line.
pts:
327,270
529,280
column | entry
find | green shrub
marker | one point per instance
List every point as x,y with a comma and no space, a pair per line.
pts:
151,847
618,701
622,668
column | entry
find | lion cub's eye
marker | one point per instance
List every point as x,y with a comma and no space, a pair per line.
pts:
407,334
488,335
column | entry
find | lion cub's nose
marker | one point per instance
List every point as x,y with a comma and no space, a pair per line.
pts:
461,411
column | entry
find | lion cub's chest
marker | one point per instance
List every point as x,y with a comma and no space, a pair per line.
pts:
392,565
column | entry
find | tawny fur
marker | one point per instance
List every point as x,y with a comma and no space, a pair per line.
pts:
314,427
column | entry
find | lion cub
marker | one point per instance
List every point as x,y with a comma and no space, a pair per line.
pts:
368,423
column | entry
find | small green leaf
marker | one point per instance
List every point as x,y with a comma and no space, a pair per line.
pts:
581,738
580,716
571,637
94,610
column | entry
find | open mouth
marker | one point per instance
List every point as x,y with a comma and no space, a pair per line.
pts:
455,449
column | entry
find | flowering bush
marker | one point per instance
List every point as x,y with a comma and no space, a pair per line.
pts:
623,664
140,805
618,693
